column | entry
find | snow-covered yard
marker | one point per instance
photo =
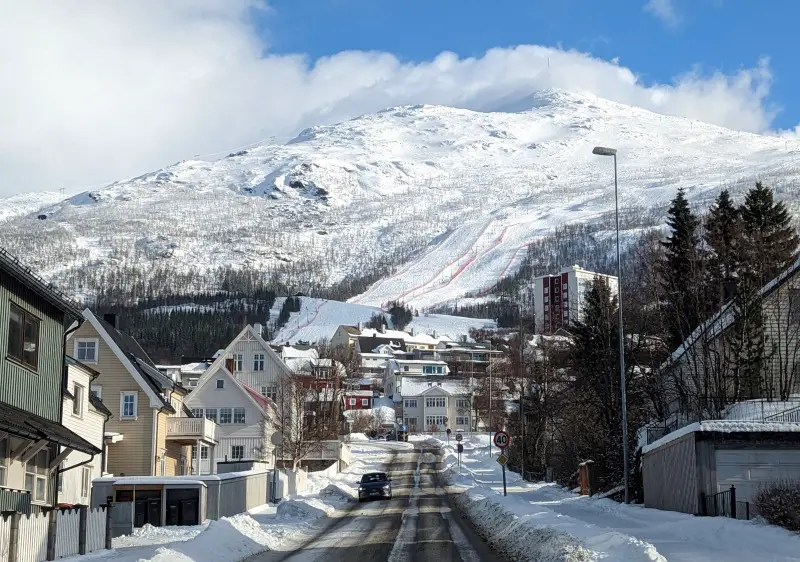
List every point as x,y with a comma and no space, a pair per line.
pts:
544,522
268,527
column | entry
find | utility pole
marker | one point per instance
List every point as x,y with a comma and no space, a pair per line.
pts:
522,393
490,397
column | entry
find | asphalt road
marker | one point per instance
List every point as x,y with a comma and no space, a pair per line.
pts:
418,524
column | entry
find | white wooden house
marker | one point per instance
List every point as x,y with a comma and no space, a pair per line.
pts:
85,414
242,414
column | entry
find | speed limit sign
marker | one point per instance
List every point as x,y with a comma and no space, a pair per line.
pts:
501,440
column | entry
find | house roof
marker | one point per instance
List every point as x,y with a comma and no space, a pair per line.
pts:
30,426
223,353
99,406
370,343
724,318
264,403
146,370
353,330
411,387
259,401
32,281
72,361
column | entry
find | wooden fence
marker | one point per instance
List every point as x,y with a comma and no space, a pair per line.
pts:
27,538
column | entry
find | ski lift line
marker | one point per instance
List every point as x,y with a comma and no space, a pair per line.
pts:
483,292
456,260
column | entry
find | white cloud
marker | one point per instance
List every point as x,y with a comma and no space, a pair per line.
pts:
664,10
92,91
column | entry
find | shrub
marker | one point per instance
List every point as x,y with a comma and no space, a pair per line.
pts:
779,504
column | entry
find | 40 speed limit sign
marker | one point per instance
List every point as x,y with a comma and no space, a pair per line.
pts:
501,440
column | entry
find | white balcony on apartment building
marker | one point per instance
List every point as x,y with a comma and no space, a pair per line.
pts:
188,431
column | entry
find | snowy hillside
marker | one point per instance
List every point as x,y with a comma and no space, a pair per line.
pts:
26,203
318,319
454,194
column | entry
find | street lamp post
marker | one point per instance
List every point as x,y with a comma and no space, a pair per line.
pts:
604,151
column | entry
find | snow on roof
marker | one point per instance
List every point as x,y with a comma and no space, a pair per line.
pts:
152,481
725,426
419,361
291,352
416,387
354,393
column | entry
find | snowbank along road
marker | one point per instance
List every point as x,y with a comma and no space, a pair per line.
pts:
419,523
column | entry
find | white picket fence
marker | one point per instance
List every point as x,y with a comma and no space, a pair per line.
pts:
96,529
32,538
5,535
32,535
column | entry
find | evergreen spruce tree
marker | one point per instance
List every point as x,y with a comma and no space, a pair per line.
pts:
682,272
723,236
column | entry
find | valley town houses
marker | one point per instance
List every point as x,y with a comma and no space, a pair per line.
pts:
33,374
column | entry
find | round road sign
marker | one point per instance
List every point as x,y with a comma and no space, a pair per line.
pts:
449,431
460,448
501,439
459,437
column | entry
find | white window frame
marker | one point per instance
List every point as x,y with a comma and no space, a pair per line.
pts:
410,403
97,389
436,402
223,412
411,422
241,414
77,349
122,396
462,403
86,481
365,401
41,471
462,421
79,394
218,386
437,420
208,414
3,461
271,392
235,448
259,360
197,412
353,401
238,362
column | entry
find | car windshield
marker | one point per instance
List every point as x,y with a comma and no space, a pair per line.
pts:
367,478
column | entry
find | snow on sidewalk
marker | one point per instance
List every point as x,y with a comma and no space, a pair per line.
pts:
268,527
544,522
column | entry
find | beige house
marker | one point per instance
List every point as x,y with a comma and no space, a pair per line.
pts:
150,432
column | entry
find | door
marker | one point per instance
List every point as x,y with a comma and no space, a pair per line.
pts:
751,469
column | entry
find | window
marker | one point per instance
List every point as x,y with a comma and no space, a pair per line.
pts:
192,382
211,414
225,415
23,337
462,403
405,367
238,362
203,452
258,362
270,391
461,421
220,383
435,421
3,461
36,471
435,402
86,351
128,405
411,422
237,451
197,412
238,415
352,401
77,402
97,391
365,401
86,481
432,370
410,403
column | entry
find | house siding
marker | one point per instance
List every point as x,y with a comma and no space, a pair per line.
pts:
89,426
133,455
256,379
36,392
670,476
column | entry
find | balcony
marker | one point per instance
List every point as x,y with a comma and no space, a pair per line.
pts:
187,431
15,500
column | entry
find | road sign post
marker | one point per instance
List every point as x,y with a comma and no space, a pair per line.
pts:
460,449
449,431
501,441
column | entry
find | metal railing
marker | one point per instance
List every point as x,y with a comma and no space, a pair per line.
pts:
199,428
725,504
15,500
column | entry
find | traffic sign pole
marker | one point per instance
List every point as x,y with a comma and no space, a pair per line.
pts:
502,440
504,481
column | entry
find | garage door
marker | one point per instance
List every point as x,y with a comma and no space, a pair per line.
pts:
749,470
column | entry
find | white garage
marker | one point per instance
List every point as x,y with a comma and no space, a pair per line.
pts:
750,469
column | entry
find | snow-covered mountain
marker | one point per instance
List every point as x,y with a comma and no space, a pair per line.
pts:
456,195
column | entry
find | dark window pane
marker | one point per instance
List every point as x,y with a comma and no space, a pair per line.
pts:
31,345
15,333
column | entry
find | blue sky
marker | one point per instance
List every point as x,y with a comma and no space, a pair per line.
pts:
723,35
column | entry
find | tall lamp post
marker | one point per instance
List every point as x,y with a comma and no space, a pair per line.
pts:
604,151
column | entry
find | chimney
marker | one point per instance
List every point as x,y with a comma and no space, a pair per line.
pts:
360,327
112,319
258,329
434,334
230,364
383,328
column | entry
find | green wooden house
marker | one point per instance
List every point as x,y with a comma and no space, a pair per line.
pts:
33,326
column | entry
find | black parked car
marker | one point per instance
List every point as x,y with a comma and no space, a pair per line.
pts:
375,485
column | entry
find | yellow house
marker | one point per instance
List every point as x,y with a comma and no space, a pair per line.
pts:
151,432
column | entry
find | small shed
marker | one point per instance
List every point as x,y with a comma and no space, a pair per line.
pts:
707,458
157,501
